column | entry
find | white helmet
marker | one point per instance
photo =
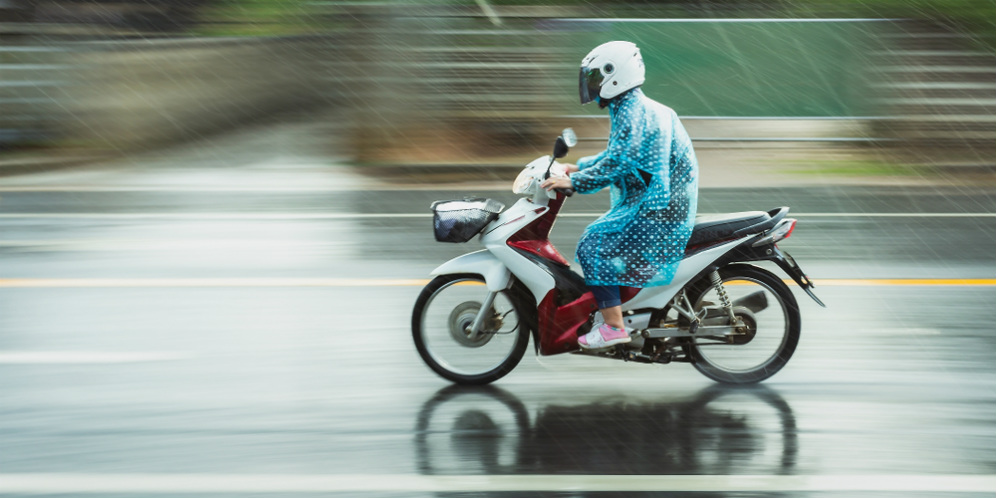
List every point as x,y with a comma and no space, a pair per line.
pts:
609,70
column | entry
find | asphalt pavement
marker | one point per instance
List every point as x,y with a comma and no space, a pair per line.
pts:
179,337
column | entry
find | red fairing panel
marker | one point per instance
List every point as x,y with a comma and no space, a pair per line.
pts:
540,228
558,326
535,237
541,248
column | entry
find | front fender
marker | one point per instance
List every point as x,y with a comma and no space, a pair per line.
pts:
483,263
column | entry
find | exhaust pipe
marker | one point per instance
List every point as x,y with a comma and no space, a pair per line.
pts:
755,302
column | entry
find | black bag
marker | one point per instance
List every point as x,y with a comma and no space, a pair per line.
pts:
459,221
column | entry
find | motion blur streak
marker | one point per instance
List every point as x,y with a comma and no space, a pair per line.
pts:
209,282
303,483
335,216
359,282
214,223
86,357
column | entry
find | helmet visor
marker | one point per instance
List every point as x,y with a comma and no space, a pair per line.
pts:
590,83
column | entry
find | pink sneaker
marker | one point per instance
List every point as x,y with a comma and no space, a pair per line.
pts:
604,337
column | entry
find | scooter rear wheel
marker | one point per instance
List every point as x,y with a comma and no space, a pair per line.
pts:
443,314
772,332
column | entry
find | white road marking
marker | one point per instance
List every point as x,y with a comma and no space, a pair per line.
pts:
207,282
347,216
211,216
158,483
907,332
86,357
472,186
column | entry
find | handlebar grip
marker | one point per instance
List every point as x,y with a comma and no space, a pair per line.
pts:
566,191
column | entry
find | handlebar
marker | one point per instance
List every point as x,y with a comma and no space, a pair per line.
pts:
566,191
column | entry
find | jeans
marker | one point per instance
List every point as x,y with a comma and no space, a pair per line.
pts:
607,296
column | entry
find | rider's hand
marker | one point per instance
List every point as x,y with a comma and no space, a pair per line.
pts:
557,182
571,168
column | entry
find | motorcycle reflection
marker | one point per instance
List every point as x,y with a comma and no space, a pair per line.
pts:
721,430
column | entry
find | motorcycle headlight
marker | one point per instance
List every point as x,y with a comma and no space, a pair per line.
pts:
524,182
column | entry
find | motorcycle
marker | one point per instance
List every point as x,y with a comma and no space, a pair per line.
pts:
735,322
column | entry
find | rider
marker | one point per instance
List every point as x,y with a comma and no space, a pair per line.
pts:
651,169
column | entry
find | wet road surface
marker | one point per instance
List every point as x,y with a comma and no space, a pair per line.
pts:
199,342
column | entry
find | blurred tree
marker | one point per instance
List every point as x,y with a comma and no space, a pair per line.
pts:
258,17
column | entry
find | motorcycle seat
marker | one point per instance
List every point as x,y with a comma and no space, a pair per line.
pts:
727,226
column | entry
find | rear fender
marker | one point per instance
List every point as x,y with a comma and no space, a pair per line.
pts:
770,252
496,274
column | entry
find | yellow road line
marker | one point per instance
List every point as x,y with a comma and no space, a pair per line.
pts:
944,282
374,282
872,282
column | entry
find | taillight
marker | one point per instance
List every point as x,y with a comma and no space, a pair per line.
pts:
782,231
788,233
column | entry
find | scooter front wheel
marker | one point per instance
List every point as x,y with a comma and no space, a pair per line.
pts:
442,329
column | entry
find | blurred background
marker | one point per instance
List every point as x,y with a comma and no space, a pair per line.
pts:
214,222
859,87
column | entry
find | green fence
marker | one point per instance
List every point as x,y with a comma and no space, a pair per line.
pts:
745,67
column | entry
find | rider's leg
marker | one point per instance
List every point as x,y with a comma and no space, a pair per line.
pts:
613,316
613,331
606,296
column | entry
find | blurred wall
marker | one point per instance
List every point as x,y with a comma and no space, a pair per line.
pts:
452,84
143,93
424,82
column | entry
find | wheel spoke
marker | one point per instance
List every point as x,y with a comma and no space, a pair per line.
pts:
759,349
768,330
444,335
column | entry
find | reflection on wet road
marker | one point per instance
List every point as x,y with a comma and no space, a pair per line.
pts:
260,343
718,430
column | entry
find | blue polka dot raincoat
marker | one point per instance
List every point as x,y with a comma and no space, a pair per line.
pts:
651,169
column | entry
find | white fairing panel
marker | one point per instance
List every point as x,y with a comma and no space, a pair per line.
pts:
483,263
658,297
510,221
495,239
536,279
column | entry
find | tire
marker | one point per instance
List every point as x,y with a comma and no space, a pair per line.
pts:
443,310
773,341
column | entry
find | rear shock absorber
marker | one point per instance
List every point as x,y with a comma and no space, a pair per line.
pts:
723,297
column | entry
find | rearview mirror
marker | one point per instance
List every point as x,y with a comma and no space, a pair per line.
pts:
570,138
560,148
565,141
